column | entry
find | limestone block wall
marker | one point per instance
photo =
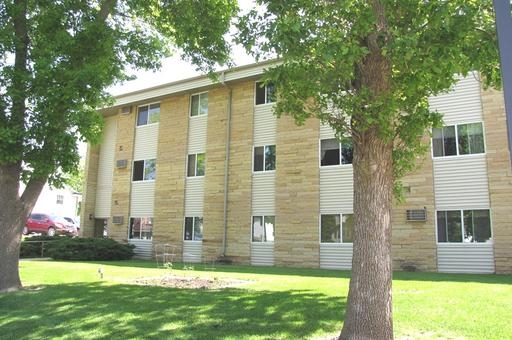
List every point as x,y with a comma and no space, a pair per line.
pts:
240,172
121,180
89,195
414,243
297,194
170,171
500,177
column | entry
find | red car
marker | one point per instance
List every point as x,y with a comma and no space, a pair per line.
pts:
50,225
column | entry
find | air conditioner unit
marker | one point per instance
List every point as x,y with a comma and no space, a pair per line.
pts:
117,219
126,110
121,163
416,214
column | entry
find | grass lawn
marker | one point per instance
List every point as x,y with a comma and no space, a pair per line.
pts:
68,300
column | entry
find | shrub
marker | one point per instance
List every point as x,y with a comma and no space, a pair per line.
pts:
89,249
32,247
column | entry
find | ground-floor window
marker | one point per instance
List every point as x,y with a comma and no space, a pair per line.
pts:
263,228
193,229
463,225
141,228
337,228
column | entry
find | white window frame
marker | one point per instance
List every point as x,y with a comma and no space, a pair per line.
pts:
199,114
143,170
152,220
340,153
264,158
263,221
267,99
341,228
462,226
457,141
193,228
195,164
147,119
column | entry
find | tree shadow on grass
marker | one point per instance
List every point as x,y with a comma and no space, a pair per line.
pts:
98,311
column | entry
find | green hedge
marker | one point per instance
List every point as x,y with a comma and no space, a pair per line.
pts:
83,249
30,247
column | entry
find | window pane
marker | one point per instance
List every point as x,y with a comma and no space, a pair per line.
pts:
270,223
260,93
270,157
258,158
330,229
203,104
271,93
189,222
471,138
146,228
200,164
441,227
257,229
348,228
149,169
154,113
134,228
191,167
142,117
194,105
437,143
450,147
138,170
198,228
454,226
330,152
477,226
347,151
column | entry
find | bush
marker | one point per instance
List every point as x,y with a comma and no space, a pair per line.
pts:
89,249
30,247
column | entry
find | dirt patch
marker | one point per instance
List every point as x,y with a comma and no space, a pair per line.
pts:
188,282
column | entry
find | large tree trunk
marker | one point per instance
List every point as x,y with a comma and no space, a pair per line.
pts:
369,309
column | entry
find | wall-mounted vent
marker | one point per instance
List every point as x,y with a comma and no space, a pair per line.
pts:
126,110
121,163
416,215
117,219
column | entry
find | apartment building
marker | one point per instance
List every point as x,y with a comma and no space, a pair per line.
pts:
207,168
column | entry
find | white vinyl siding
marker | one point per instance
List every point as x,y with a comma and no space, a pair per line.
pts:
146,142
194,196
326,131
465,258
336,255
262,253
143,248
192,251
461,182
461,105
197,134
106,165
263,193
143,198
265,126
336,189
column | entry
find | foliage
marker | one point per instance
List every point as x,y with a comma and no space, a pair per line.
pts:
33,246
89,249
75,179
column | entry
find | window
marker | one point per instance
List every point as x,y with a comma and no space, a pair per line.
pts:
265,158
193,229
263,228
462,139
195,165
60,199
141,228
265,93
148,114
144,170
199,104
332,231
332,152
463,226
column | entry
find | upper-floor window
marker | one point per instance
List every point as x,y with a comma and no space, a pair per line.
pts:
337,228
60,199
141,228
265,93
148,114
265,158
144,170
461,139
463,226
193,229
263,228
195,165
332,152
199,104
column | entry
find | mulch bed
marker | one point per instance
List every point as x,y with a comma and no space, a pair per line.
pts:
188,282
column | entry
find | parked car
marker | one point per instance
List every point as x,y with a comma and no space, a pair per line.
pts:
74,222
50,225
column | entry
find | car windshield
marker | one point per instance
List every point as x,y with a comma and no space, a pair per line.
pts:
58,218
